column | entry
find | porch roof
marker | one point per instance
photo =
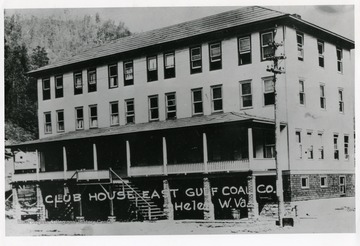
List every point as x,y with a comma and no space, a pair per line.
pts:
152,126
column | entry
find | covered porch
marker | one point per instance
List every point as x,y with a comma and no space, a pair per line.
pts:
230,142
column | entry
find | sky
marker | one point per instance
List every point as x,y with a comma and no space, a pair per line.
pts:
336,18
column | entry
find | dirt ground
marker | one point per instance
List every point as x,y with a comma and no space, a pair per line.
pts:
320,216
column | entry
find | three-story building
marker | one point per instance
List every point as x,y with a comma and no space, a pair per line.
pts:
179,122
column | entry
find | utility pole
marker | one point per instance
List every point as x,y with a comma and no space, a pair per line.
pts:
275,70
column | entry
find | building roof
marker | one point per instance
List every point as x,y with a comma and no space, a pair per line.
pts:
190,29
204,120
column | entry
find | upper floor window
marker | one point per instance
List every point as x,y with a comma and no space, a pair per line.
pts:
129,111
346,147
299,145
170,105
78,83
300,45
46,89
113,76
92,80
47,117
153,108
216,98
79,114
269,144
321,146
322,97
269,91
339,57
301,92
267,50
244,50
128,73
114,113
246,94
93,116
152,68
215,56
310,150
321,50
59,86
169,65
195,60
336,147
60,121
197,101
341,101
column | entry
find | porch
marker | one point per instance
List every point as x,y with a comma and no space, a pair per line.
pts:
236,146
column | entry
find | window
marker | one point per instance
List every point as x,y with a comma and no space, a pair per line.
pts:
59,87
46,89
113,76
322,97
169,65
321,146
304,182
336,149
301,92
47,116
92,80
342,184
310,150
341,101
266,48
128,73
114,113
300,45
195,60
197,101
79,113
269,144
244,50
129,111
323,181
60,121
246,94
216,98
339,56
269,91
170,105
346,147
299,145
153,108
78,83
152,73
215,56
321,53
93,116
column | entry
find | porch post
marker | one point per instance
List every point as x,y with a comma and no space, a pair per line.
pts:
164,155
16,204
209,210
64,162
40,204
95,157
80,218
168,207
128,160
111,218
205,153
253,206
250,146
37,164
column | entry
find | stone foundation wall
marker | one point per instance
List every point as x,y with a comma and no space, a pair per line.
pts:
293,190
